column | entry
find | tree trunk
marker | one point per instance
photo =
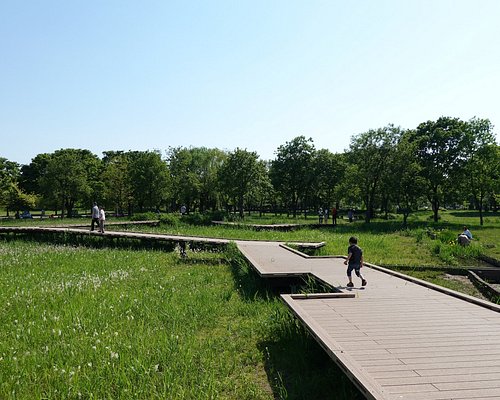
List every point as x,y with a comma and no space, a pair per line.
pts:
240,207
368,209
435,210
435,204
405,218
480,210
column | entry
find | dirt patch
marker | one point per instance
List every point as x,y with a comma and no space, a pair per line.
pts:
467,284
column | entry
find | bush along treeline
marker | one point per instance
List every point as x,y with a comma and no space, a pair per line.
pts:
442,163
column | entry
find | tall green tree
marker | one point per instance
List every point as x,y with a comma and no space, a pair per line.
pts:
441,149
31,173
262,193
482,164
328,172
484,175
69,178
371,152
403,182
193,176
16,199
9,176
149,179
238,175
206,164
291,171
184,180
117,183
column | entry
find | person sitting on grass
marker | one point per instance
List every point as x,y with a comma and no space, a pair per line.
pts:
354,261
465,237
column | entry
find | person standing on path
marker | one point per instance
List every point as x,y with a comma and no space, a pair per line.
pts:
102,218
354,261
334,216
350,214
95,216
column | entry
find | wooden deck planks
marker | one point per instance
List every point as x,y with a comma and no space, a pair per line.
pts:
398,339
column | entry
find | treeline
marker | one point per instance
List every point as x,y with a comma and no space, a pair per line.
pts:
447,162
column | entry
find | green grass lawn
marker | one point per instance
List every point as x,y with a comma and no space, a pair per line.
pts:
121,324
385,242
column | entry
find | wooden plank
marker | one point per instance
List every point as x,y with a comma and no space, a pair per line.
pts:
457,371
466,384
492,393
383,354
323,296
418,388
451,379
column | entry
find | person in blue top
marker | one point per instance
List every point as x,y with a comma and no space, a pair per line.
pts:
354,261
467,233
465,237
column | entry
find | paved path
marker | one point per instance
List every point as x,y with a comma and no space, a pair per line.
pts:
395,339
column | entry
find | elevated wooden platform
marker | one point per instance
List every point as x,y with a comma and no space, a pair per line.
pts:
399,337
117,235
260,227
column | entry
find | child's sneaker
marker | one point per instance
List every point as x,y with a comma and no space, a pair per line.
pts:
350,284
363,282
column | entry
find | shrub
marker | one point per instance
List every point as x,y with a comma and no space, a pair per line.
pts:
170,219
147,216
218,215
447,236
197,219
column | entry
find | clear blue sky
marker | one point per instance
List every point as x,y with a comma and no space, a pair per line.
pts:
138,75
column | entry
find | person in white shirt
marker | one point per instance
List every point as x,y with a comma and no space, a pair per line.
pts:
102,218
95,217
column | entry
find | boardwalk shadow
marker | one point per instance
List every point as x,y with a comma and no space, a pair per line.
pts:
249,285
298,368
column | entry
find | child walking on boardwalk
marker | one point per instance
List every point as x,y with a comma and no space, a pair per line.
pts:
354,261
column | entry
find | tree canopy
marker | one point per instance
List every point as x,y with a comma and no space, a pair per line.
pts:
446,162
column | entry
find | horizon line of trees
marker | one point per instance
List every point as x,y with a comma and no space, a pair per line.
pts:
447,162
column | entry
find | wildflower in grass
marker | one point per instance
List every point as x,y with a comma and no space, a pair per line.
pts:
114,355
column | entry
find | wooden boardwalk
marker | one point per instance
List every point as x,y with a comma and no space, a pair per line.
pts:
396,338
116,235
